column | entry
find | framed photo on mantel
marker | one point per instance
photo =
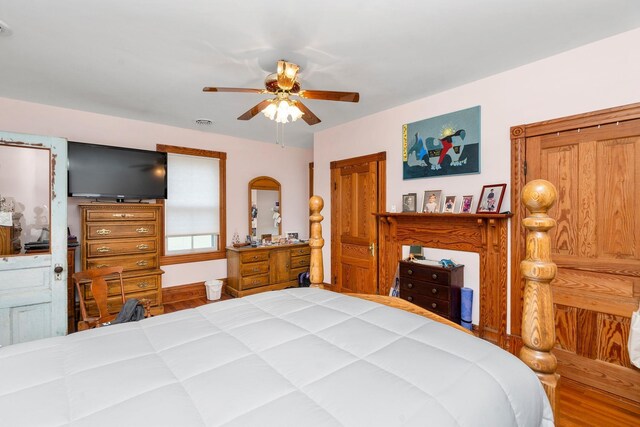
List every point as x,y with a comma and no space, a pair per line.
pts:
491,198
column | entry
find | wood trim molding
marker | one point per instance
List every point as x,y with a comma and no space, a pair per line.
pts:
206,256
186,292
376,157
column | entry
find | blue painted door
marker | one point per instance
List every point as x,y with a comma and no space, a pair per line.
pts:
33,223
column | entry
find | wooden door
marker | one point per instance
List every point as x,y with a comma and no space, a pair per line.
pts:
33,296
357,192
595,167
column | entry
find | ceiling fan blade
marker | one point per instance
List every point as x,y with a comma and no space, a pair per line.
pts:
308,116
329,95
287,72
233,89
255,110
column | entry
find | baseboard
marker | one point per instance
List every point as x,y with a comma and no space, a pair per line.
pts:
187,292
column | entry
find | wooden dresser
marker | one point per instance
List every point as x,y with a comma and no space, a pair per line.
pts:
127,235
266,268
435,288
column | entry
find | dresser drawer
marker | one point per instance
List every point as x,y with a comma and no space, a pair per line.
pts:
254,281
425,288
129,262
254,268
108,247
294,272
131,285
101,230
114,304
300,251
435,305
121,215
299,262
425,273
254,256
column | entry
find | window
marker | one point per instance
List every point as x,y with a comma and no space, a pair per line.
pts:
194,212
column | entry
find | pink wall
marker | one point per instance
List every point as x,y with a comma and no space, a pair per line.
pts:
596,76
246,159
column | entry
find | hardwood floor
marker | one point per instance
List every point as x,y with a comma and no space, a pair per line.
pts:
577,405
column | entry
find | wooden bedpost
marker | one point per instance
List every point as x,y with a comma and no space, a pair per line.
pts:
538,323
316,242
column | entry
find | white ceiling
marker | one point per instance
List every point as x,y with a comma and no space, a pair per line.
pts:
149,59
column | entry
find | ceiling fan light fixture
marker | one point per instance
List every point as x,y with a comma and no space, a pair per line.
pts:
282,109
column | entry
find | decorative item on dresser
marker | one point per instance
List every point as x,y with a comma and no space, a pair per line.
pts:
266,268
432,287
125,234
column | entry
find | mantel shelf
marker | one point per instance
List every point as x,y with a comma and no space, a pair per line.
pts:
444,215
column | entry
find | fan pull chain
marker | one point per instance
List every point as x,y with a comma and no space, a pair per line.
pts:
280,134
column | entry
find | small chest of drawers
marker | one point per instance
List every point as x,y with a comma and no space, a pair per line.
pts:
434,288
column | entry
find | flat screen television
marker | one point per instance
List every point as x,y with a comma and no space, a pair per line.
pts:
102,171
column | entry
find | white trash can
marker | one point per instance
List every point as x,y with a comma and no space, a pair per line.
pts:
214,289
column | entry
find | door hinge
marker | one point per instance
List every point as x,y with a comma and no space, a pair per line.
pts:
335,280
335,186
525,168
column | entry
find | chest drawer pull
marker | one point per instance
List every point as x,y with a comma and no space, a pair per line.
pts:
434,291
103,231
123,215
434,305
409,298
142,230
142,246
256,269
410,285
142,263
434,276
103,249
409,271
143,285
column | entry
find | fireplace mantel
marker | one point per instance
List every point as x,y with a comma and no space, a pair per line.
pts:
485,234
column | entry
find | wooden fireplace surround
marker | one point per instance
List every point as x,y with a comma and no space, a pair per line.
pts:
485,234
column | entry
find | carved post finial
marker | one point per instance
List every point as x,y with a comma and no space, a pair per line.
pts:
538,270
316,242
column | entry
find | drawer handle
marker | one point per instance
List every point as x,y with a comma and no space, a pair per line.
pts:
256,269
434,276
255,257
103,249
143,285
142,263
434,305
410,285
123,215
434,291
103,231
142,230
142,246
409,298
409,271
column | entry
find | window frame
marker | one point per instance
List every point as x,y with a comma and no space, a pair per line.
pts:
221,253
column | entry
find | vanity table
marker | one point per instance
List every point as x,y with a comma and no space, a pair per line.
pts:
265,268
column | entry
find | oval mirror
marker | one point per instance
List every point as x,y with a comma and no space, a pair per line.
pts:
265,208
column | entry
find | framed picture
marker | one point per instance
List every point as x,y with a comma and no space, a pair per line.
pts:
465,205
409,202
431,201
491,198
440,146
449,204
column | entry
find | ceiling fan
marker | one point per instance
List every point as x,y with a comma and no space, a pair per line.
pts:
283,85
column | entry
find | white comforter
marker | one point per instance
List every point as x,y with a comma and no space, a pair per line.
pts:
299,357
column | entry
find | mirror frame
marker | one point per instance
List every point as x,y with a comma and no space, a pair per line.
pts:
265,183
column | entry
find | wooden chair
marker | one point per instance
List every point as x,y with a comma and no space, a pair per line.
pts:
96,279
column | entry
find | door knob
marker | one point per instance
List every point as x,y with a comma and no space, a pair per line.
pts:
58,269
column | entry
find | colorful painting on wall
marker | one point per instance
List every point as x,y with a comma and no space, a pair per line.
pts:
443,145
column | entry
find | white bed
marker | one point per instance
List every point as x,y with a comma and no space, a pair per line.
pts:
298,357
